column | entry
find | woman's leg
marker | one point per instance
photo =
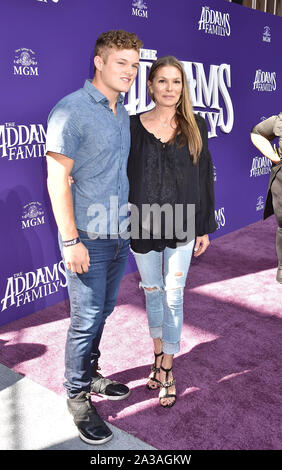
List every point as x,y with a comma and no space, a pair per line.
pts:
176,266
150,270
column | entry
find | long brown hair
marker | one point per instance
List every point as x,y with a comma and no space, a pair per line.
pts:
186,122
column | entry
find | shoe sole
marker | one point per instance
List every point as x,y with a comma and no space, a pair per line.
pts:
111,397
92,442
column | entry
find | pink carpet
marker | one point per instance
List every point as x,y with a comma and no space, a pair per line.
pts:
228,371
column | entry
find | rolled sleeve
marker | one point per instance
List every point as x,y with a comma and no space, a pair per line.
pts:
265,128
63,132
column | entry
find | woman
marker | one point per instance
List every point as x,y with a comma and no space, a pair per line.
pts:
169,166
261,135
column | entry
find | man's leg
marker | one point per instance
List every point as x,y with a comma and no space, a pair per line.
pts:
107,388
87,297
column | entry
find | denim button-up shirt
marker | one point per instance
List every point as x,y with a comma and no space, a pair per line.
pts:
83,127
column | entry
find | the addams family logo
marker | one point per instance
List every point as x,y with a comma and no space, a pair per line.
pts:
260,166
266,37
22,288
264,81
33,215
20,142
25,63
214,22
139,8
209,90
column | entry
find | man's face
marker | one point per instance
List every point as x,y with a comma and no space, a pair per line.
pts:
118,68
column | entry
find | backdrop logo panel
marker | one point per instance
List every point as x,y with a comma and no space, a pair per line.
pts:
264,81
19,142
33,215
208,36
214,22
22,288
25,63
139,8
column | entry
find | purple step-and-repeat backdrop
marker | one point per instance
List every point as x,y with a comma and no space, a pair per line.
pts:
231,57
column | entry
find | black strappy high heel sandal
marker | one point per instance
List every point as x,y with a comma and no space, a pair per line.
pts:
155,370
166,386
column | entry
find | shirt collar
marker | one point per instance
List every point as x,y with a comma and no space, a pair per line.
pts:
97,95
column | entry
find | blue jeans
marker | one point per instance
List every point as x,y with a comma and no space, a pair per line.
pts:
92,298
164,304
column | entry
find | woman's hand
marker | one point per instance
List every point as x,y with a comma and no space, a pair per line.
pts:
201,245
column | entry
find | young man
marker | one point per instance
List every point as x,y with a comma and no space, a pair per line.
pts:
88,138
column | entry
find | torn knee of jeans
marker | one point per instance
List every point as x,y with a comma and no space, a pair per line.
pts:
180,274
172,291
150,288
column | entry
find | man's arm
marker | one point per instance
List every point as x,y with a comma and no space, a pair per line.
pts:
59,168
261,135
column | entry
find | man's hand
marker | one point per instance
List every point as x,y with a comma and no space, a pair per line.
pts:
77,258
201,245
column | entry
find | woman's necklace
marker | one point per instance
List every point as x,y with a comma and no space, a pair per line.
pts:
163,124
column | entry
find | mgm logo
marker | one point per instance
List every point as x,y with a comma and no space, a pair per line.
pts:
33,215
25,63
139,8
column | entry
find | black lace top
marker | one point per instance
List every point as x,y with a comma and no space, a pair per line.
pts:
162,173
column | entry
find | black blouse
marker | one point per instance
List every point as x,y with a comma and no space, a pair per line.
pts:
162,173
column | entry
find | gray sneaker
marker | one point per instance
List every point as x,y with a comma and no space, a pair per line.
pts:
108,388
90,425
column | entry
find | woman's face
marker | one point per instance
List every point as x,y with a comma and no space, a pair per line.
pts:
166,86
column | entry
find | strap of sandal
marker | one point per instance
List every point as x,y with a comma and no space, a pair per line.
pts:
153,366
166,386
158,354
167,383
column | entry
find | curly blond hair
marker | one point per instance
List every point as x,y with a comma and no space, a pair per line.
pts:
116,39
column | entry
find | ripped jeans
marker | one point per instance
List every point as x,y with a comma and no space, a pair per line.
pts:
164,302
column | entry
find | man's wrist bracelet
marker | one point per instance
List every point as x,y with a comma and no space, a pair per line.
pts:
74,241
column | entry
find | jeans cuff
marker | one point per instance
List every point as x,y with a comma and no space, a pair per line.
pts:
171,348
156,332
